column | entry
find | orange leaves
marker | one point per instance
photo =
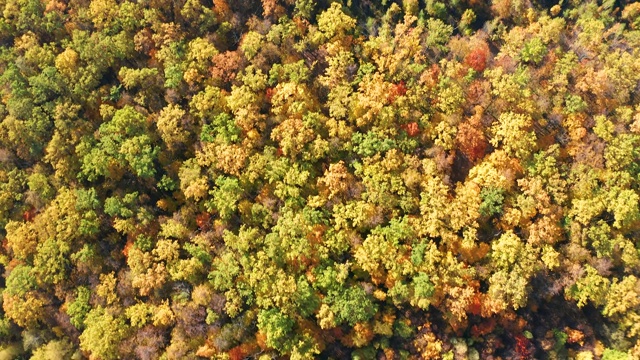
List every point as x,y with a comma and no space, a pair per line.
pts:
484,328
29,215
243,351
127,248
477,59
204,221
523,346
399,89
269,93
412,128
226,65
471,141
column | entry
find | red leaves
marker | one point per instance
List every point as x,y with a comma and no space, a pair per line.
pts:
477,59
204,221
29,215
399,89
523,346
269,93
475,307
411,128
484,328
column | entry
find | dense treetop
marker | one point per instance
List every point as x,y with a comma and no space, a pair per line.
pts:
300,179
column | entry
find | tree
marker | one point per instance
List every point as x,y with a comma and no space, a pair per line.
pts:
56,349
171,125
103,333
278,329
513,134
80,307
122,142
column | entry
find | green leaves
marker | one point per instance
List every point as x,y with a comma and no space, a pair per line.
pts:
20,280
79,308
222,129
533,51
492,200
122,142
351,304
278,329
225,196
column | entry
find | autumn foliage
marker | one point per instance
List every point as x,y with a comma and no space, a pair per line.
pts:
331,179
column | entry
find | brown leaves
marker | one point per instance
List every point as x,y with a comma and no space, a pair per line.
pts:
226,65
471,141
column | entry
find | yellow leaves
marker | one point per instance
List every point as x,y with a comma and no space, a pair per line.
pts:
492,172
604,127
622,70
450,96
545,230
434,201
515,262
291,99
146,274
457,302
21,239
506,249
162,315
373,253
107,288
103,12
624,206
445,134
272,286
292,135
166,250
201,50
25,310
339,129
138,314
326,317
512,131
361,214
372,96
192,183
172,228
244,102
67,61
171,126
336,180
428,345
590,287
393,54
251,44
229,158
550,257
624,296
333,22
464,209
208,103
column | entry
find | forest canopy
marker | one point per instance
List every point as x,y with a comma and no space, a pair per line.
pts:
333,179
